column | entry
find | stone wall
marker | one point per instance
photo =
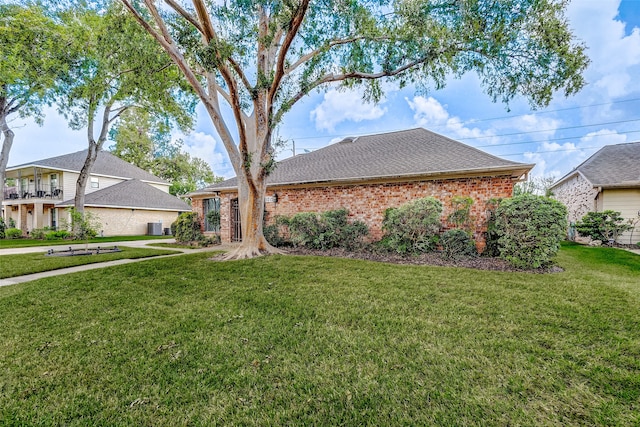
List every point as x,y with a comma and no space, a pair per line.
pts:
578,195
367,202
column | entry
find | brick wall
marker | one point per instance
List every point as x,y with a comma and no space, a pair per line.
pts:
367,202
578,195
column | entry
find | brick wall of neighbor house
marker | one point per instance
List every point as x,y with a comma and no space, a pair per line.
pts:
578,195
130,222
367,202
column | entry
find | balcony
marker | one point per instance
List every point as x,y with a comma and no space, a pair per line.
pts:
31,193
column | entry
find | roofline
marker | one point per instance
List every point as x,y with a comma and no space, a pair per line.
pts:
568,176
627,184
35,165
524,168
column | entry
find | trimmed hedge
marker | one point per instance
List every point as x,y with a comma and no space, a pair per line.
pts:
530,229
413,227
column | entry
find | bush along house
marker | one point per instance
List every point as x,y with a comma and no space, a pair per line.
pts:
367,175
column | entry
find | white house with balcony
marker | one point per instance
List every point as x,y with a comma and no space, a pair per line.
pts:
123,197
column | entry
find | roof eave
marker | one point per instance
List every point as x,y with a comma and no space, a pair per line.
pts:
515,171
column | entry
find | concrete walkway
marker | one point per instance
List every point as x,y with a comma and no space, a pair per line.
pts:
132,244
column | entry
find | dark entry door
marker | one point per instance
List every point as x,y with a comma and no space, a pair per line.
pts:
236,226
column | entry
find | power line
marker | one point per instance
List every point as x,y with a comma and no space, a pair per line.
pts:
549,130
471,121
555,139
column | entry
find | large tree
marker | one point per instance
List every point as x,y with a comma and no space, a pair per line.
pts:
32,55
118,66
260,57
146,142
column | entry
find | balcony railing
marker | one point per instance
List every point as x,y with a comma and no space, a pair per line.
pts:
30,192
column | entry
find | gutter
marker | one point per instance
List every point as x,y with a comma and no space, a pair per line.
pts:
523,169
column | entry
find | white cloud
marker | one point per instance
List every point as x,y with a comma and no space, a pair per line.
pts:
206,147
430,114
615,55
338,106
603,137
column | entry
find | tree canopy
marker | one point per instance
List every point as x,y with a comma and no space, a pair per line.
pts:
33,54
118,66
145,141
262,56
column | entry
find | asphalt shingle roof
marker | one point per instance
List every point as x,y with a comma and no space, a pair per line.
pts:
133,194
106,164
613,165
414,152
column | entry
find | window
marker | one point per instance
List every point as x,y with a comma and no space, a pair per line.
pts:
94,182
211,214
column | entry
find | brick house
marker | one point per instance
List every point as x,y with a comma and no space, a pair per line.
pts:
608,180
368,174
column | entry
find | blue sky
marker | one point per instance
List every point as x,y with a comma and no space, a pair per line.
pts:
557,138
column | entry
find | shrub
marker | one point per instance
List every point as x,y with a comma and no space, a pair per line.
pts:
602,225
12,233
530,229
326,230
84,225
57,235
491,249
187,228
412,227
461,215
39,233
3,227
457,243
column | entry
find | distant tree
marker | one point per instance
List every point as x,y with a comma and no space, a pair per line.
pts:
261,57
146,142
33,53
539,186
120,66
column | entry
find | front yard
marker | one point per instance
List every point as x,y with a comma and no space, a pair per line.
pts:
291,340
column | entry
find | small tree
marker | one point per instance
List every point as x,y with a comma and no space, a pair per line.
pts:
530,229
603,226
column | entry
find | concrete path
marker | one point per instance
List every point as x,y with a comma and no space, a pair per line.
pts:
132,244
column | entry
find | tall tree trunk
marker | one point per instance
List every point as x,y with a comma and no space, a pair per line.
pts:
251,201
81,183
7,142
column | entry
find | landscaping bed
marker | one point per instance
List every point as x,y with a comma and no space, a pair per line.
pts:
431,258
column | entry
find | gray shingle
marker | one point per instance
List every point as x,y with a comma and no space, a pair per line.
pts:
106,164
414,152
613,165
132,194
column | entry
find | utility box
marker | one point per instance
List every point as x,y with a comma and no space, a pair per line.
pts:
154,229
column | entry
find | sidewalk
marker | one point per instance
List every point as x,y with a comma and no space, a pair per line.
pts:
132,244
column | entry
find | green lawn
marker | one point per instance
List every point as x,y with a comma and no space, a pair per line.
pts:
22,264
23,243
290,340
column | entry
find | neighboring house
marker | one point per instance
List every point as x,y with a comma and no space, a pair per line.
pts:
370,174
608,180
123,197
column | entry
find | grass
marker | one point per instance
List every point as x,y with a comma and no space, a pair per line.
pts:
23,243
288,340
22,264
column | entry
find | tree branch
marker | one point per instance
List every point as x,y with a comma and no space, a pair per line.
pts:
330,78
186,15
294,26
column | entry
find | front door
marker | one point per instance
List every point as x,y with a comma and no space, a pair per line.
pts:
236,226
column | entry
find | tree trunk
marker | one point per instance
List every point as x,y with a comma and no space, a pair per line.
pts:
81,183
7,142
251,201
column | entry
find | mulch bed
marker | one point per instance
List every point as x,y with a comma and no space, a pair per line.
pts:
434,259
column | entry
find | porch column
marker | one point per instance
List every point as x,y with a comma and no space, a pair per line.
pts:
21,223
38,215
